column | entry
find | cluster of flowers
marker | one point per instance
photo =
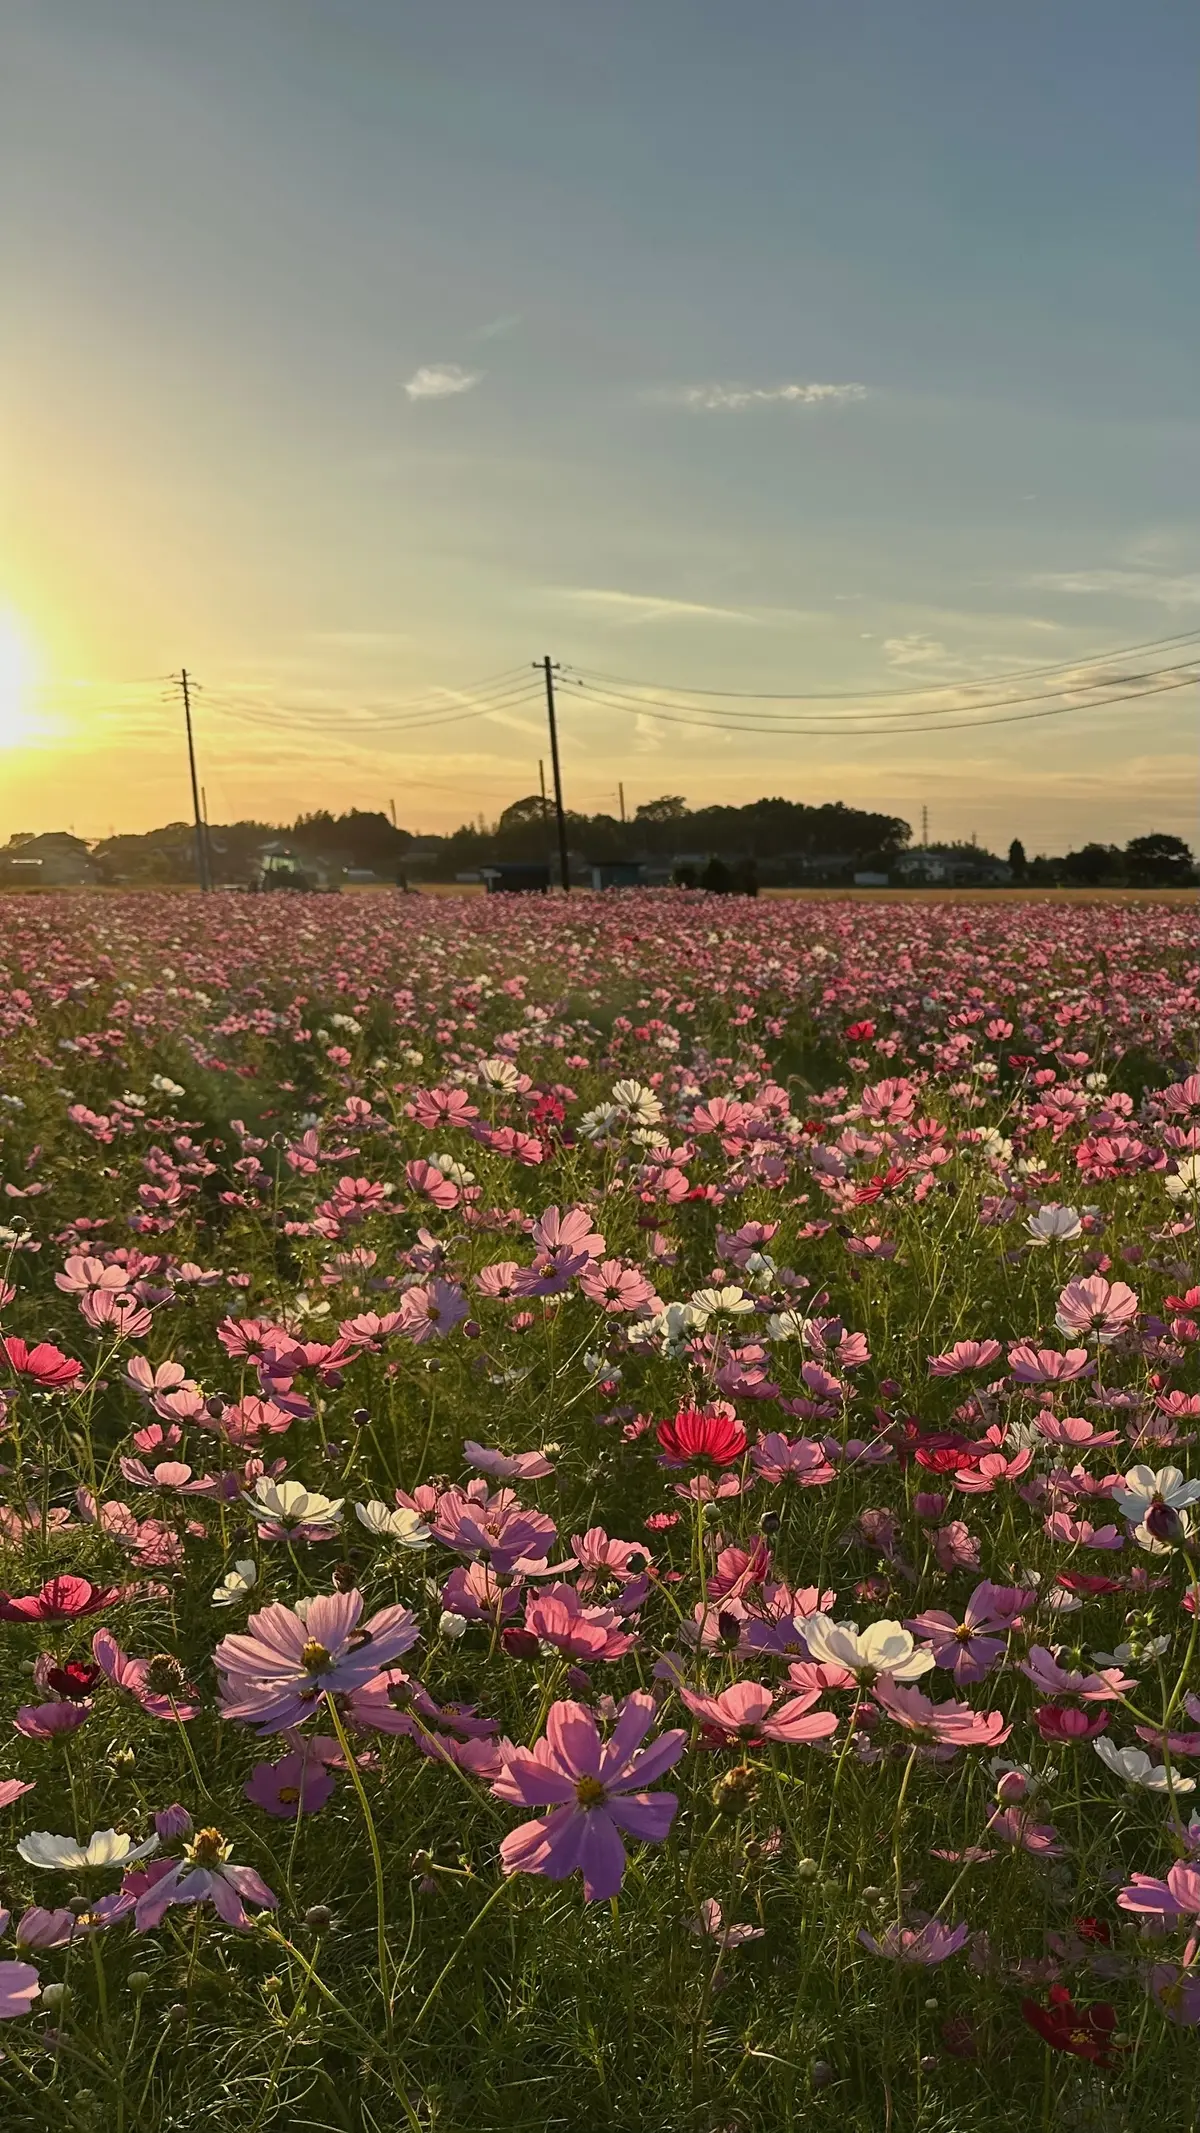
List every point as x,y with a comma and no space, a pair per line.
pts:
725,1408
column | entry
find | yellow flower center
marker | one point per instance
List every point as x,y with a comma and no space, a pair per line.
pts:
208,1847
315,1657
589,1791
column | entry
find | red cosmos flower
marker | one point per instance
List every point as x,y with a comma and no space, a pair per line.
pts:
44,1365
1086,2032
694,1434
1066,1725
60,1600
860,1032
1087,1586
74,1682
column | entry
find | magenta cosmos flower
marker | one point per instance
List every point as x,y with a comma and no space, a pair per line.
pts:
274,1676
595,1789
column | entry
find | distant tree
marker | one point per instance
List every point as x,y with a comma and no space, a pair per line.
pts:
1095,866
522,812
670,807
1017,860
1159,861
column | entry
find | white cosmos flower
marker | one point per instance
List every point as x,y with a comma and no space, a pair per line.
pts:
1053,1224
392,1522
639,1104
1186,1179
881,1648
237,1582
732,1302
787,1326
1134,1655
595,1124
451,1625
1135,1766
1142,1488
105,1847
289,1503
500,1074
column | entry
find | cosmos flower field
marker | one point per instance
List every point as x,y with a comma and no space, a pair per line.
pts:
600,1521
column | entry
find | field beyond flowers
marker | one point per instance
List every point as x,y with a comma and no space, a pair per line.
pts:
601,1516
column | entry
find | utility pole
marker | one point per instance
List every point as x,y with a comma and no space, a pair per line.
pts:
208,850
392,805
542,783
201,854
621,796
925,827
547,666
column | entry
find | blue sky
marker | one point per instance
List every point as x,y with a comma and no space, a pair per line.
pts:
358,351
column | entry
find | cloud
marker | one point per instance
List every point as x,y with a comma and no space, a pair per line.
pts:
734,399
647,607
498,329
440,381
1165,591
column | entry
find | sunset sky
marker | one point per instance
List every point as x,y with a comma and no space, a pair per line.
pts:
355,353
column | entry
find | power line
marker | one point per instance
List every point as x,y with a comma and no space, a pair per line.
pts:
987,681
781,722
438,700
700,721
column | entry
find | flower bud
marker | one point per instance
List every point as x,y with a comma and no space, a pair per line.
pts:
138,1982
55,1995
174,1821
319,1917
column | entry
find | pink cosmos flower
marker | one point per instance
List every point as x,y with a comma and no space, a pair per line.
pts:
83,1275
1065,1724
1079,1533
557,1617
964,1355
46,1721
615,1286
929,1943
507,1466
743,1713
13,1789
1045,1366
942,1725
1013,1826
595,1789
159,1684
800,1460
19,1988
204,1875
1047,1675
598,1553
1177,1988
1176,1897
1098,1309
44,1366
498,1527
274,1676
432,1308
709,1924
299,1783
61,1599
571,1231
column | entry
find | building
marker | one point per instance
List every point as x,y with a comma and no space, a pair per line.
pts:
616,873
517,877
55,860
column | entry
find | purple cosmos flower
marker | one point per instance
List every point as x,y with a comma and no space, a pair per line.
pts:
595,1789
274,1677
970,1649
204,1875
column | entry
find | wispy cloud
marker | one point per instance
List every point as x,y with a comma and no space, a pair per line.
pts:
647,607
1163,589
736,399
440,381
498,329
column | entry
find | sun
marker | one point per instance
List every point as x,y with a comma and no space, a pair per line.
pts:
18,673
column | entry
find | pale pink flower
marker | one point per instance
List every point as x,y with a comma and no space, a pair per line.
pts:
1098,1309
743,1712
